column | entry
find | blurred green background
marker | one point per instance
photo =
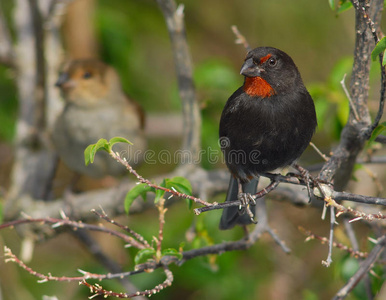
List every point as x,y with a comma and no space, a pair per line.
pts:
132,37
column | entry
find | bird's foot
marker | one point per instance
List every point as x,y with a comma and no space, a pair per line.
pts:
247,200
310,181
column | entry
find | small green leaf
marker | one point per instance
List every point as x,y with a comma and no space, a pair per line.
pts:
377,131
171,252
379,48
180,184
144,255
344,6
384,58
118,139
332,4
189,202
158,195
102,144
139,190
342,112
89,154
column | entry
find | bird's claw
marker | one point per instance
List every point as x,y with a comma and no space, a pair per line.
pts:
309,180
247,200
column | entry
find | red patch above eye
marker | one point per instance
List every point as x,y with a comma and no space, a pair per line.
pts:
265,58
258,87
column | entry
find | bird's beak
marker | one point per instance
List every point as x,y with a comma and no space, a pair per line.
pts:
63,78
250,69
65,82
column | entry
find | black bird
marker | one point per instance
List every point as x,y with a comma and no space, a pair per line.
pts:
266,124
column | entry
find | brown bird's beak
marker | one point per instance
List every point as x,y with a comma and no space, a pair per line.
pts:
64,81
250,69
63,78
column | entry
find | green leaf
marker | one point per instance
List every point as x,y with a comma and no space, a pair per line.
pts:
160,193
342,112
118,139
379,48
180,184
377,131
139,190
344,6
89,154
332,4
102,144
171,252
144,255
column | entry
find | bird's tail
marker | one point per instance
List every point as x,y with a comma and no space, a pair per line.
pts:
230,215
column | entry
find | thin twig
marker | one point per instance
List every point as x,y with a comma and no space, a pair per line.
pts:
324,240
358,198
328,261
375,179
322,155
162,210
124,162
358,214
139,237
363,269
56,223
98,290
240,39
342,82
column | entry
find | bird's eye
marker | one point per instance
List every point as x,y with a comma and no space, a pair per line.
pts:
87,75
272,61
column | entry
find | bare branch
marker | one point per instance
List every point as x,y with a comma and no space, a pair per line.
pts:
363,269
240,39
324,240
124,162
98,290
343,84
56,223
174,17
139,237
358,198
321,154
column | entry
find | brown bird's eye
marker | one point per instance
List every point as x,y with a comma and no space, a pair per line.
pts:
87,75
272,61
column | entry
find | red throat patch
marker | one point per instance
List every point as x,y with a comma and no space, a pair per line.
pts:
258,87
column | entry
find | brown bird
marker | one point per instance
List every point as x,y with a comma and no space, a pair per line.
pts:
96,107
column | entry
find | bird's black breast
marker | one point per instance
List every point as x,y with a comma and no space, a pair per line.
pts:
259,135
